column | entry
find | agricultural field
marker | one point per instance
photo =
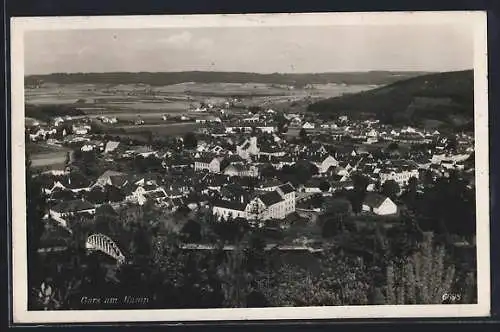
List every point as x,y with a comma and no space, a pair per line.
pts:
179,128
101,99
46,156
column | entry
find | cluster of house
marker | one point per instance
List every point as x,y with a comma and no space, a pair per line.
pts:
57,127
228,170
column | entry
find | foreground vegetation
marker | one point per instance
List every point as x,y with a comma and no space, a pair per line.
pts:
359,266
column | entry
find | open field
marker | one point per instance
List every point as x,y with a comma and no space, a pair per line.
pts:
98,99
45,156
48,159
162,129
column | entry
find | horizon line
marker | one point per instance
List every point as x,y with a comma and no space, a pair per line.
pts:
249,72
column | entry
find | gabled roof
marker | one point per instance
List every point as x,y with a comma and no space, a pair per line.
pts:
105,209
73,206
236,167
118,180
177,201
270,198
110,173
271,183
230,204
205,158
318,157
374,200
75,180
155,194
313,183
286,188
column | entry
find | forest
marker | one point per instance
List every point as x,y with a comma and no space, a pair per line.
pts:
445,97
167,78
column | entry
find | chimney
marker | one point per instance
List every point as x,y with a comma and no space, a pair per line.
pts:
241,199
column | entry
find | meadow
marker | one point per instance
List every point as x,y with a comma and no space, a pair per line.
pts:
101,99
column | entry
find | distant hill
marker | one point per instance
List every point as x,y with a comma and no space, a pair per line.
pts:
167,78
433,100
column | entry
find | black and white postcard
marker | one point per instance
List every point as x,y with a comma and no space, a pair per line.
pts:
249,167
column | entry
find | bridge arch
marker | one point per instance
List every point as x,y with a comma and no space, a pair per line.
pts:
103,243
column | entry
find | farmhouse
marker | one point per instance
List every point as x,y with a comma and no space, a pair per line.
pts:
379,204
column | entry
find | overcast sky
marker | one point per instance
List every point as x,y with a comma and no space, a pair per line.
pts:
252,49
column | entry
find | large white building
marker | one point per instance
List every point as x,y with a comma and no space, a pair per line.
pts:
276,204
209,163
241,170
400,171
401,176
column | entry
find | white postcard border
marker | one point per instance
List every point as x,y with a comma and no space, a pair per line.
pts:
19,267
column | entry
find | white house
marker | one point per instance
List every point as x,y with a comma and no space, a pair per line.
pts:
308,125
209,163
81,130
144,192
248,148
400,175
276,204
379,205
324,162
267,129
87,147
241,170
254,118
111,146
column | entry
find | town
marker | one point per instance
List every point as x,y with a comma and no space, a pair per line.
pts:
250,166
259,165
299,182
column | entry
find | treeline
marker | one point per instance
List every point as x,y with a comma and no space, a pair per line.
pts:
47,112
166,78
445,97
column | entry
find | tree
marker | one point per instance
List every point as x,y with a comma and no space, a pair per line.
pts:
67,161
342,280
268,171
324,186
357,195
303,134
192,231
96,195
234,279
190,141
299,173
36,206
393,146
422,279
114,194
391,189
335,213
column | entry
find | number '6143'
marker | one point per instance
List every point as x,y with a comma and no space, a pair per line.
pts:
450,297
